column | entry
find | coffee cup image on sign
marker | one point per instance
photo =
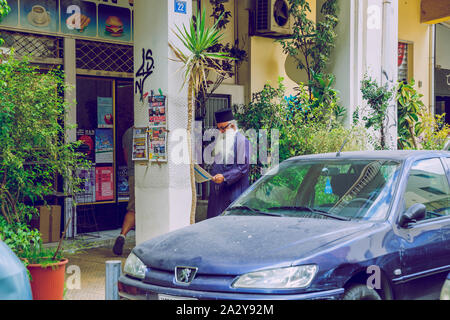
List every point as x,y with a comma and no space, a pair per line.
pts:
114,26
39,16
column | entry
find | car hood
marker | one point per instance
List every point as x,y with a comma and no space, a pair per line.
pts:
232,245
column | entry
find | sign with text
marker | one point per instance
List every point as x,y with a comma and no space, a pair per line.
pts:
105,19
180,6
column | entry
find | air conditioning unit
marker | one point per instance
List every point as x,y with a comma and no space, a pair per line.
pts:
272,18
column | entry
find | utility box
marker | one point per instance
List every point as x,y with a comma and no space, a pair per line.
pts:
49,223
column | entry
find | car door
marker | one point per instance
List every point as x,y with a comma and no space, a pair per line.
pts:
446,223
423,253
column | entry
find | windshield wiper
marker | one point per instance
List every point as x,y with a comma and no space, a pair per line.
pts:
316,211
254,210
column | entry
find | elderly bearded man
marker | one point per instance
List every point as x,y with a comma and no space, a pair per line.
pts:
231,166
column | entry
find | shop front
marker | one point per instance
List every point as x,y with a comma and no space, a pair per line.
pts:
92,41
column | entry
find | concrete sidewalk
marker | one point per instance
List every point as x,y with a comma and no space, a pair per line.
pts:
91,263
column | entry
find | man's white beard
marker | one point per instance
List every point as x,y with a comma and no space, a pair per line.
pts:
224,148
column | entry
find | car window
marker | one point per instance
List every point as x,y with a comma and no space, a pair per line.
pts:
352,189
428,184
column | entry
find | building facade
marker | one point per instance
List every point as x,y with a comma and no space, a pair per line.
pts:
115,55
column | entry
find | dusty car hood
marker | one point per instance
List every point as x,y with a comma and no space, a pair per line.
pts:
234,245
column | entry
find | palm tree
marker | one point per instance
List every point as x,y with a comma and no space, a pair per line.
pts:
197,63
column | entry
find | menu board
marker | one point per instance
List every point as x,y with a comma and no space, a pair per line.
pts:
104,146
104,187
79,18
12,19
140,144
114,23
40,15
83,18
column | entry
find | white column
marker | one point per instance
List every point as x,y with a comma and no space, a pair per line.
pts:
366,44
389,67
163,192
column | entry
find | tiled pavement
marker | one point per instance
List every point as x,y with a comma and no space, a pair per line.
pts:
91,263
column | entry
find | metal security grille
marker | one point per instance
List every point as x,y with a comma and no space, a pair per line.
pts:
43,49
262,14
99,58
214,104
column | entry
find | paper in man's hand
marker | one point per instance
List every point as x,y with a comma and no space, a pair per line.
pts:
201,175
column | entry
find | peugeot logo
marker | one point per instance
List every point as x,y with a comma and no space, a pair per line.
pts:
185,275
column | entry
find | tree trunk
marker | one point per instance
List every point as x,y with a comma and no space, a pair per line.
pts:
191,160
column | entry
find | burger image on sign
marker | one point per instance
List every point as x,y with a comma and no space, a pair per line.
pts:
114,26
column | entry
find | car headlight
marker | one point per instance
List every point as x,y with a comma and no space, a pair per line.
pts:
134,267
283,278
445,294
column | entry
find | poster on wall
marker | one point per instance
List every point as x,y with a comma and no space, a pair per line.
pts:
140,144
104,146
114,23
40,15
105,112
79,18
88,139
123,189
104,183
157,111
157,144
87,186
12,19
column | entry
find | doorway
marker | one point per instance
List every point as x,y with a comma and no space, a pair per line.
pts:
105,110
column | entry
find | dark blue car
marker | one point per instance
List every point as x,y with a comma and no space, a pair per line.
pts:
363,225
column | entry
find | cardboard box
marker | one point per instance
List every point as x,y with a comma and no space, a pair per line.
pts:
50,223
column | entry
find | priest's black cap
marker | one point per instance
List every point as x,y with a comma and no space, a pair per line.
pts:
224,115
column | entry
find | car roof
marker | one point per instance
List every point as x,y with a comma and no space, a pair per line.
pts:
398,155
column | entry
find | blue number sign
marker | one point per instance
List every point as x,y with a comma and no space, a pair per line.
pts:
180,6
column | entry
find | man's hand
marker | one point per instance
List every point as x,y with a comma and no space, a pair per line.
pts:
219,179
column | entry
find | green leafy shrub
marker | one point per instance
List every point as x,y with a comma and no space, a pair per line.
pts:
377,98
410,107
33,145
417,127
305,126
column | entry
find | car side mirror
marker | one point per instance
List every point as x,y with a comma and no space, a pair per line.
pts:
413,214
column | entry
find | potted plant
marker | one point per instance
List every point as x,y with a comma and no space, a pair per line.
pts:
46,266
34,152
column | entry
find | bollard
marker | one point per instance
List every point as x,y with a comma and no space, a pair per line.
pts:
113,272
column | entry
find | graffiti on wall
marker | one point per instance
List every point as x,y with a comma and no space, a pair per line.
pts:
146,69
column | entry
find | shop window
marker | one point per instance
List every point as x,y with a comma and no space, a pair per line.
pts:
104,59
43,49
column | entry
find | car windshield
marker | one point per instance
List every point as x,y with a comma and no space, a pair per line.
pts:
323,189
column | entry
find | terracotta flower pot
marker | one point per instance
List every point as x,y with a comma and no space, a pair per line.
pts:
47,283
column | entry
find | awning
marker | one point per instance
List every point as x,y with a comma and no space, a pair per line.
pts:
435,11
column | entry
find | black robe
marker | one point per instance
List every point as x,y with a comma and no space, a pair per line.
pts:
236,175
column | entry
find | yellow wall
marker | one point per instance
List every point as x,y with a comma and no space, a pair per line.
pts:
410,29
266,58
